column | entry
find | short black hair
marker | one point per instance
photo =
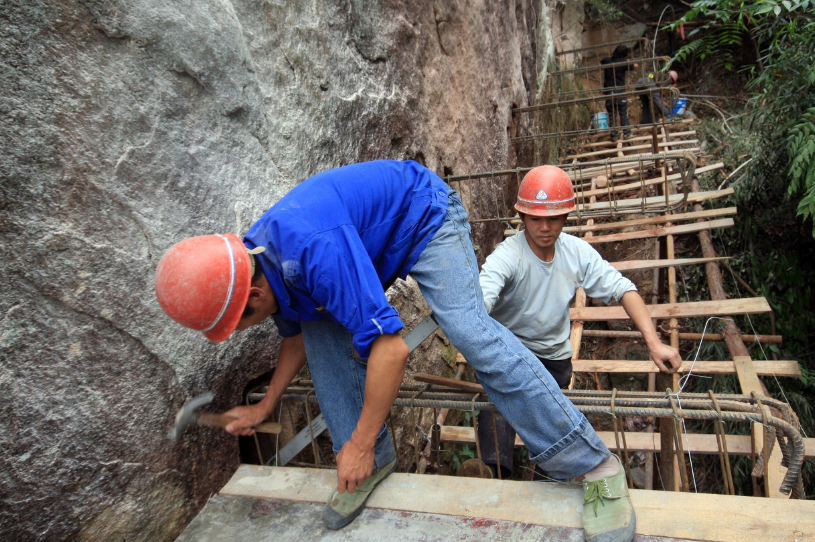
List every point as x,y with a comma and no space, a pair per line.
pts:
620,52
247,310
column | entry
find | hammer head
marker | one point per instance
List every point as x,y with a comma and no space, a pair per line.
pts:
188,415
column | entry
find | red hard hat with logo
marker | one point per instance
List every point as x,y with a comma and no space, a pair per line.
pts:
203,283
546,191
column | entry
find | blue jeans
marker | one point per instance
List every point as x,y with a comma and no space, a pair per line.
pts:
558,436
339,381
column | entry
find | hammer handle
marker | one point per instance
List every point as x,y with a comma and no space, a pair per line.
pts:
222,420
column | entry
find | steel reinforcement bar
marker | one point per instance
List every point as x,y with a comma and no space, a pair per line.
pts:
682,406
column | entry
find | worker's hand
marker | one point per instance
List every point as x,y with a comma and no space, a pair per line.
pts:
355,463
636,65
246,417
665,357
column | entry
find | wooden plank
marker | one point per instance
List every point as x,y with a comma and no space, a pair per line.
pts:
579,187
747,305
634,265
663,231
682,217
680,143
635,139
774,472
611,334
768,367
686,516
655,201
641,442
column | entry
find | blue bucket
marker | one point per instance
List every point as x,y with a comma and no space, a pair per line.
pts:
600,121
679,107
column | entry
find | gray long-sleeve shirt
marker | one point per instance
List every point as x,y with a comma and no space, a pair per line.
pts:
531,297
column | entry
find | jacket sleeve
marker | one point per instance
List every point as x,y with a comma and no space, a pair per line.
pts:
600,280
496,273
343,281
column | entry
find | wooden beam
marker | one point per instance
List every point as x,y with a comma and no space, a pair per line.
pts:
682,217
655,201
613,334
680,142
641,442
663,231
774,472
636,185
637,138
686,516
747,305
769,367
635,265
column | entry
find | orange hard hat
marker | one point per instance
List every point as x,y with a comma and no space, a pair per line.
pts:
545,191
674,76
203,283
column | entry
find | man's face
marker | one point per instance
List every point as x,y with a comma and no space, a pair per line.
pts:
543,231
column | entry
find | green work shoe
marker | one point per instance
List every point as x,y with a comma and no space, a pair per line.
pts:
342,508
608,515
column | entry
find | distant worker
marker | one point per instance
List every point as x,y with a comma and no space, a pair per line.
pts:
654,81
528,283
614,83
318,263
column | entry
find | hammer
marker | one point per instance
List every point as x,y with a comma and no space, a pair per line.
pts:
187,415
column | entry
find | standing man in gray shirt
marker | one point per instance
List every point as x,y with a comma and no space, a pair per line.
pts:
528,283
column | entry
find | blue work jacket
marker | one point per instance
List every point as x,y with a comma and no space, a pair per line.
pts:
337,238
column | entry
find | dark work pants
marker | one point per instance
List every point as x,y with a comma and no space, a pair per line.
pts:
618,107
654,98
561,371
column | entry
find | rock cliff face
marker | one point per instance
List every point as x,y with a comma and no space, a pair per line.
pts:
128,125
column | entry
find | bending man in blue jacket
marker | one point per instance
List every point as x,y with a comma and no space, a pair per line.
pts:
318,263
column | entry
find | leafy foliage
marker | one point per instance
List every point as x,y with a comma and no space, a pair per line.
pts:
780,35
602,12
801,155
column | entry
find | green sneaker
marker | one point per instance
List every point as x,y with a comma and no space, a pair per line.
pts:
608,515
342,508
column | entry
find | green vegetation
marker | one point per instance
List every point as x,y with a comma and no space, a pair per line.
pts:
771,42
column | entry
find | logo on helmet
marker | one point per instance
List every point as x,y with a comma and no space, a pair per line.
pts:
541,195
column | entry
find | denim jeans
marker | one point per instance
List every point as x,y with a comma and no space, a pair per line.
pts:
558,436
339,381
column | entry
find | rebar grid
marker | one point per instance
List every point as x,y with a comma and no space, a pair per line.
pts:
645,173
719,408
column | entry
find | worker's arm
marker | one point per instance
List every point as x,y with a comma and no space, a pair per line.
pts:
292,357
386,368
665,357
497,272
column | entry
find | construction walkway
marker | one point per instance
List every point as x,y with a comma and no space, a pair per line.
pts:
281,504
643,190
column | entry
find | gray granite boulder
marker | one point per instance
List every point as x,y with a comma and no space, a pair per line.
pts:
128,125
